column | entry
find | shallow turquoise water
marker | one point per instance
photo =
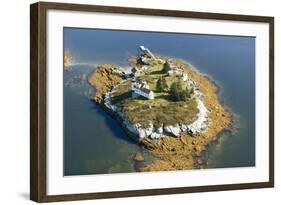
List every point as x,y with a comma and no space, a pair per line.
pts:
95,144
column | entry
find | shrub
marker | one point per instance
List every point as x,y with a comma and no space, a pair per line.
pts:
162,85
178,93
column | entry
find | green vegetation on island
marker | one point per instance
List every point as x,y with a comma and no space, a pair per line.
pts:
172,104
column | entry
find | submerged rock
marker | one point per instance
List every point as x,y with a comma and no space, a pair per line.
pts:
138,157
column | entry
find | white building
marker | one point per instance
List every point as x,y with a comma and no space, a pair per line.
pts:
142,89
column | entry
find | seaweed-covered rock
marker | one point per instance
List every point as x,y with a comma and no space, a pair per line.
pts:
103,79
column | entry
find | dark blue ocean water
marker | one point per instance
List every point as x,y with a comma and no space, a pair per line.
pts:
95,144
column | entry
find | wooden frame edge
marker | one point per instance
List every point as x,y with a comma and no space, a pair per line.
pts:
37,102
153,12
271,100
155,192
38,174
34,102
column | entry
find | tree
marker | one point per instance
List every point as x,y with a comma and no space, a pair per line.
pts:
162,85
178,93
166,66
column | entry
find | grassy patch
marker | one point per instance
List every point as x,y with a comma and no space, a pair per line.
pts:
155,70
123,87
121,92
159,111
119,98
172,79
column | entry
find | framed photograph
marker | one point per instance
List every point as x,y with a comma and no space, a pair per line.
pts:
134,102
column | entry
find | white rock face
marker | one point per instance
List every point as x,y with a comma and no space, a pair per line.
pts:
139,131
202,117
184,77
142,133
159,130
155,135
174,130
149,129
131,128
107,102
183,128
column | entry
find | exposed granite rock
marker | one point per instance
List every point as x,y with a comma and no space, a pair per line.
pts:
155,135
174,130
159,130
183,127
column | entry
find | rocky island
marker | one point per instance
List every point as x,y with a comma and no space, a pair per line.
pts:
67,60
165,105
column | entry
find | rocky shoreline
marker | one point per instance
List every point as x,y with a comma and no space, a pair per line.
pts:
174,153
